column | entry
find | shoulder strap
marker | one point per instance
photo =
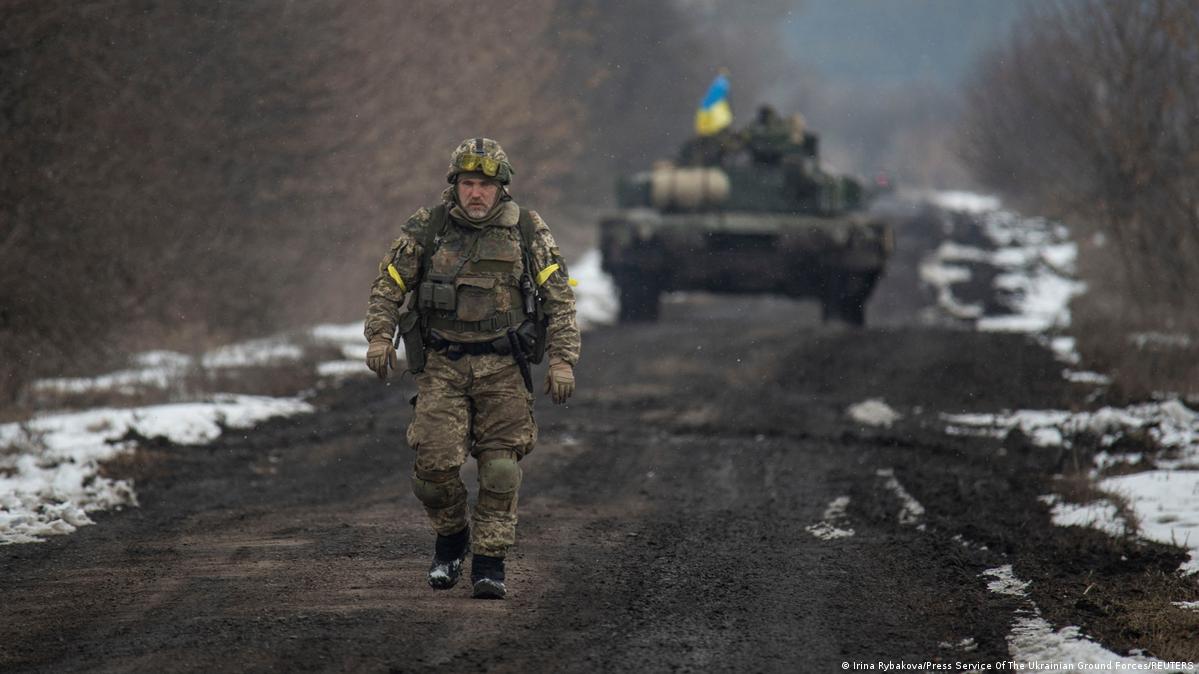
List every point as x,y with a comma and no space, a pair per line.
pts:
527,227
438,219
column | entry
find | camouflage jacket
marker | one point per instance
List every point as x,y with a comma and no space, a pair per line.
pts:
389,290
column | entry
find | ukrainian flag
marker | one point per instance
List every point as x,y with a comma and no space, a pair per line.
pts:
714,113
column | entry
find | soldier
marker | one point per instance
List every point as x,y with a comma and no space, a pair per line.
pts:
767,137
490,294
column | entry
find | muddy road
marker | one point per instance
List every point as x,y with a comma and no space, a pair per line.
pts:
669,520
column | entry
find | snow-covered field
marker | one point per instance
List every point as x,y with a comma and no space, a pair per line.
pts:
50,465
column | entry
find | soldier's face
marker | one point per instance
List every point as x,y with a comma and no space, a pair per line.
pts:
477,194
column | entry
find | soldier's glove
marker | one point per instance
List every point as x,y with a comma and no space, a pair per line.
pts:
381,354
560,381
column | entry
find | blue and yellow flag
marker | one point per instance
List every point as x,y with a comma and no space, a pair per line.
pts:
714,113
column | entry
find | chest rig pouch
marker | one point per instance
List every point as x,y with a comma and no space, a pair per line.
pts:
437,292
471,285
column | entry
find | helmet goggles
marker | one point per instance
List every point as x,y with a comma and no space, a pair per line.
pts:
488,166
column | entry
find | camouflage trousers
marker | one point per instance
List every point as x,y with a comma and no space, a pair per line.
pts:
477,406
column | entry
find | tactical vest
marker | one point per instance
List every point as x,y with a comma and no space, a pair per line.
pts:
471,278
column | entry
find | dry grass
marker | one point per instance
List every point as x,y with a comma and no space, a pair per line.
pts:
1140,370
1120,591
1142,609
144,464
1079,488
1147,342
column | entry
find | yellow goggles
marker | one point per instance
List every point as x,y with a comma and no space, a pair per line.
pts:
488,166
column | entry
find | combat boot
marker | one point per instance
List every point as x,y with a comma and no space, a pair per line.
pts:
487,575
448,553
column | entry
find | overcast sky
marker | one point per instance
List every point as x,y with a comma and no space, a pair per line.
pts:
880,42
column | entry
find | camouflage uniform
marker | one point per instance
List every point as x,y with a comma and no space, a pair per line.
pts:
474,404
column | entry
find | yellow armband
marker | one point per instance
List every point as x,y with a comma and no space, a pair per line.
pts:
391,269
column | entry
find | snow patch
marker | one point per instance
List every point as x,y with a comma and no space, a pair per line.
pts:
252,353
910,510
966,645
1003,581
1160,340
1040,300
968,202
1170,425
1078,377
347,337
343,368
1064,348
969,545
122,381
873,412
1034,258
595,295
1033,639
942,277
1102,515
49,479
1166,503
833,525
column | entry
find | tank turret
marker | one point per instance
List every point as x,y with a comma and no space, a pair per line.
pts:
770,166
745,211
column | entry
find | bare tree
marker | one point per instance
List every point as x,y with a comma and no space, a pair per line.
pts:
178,173
1088,112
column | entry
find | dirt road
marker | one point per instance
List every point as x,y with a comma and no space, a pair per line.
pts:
664,521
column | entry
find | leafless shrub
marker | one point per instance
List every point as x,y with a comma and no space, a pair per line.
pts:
183,174
1087,113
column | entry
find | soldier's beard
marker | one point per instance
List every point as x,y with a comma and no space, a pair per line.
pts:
477,209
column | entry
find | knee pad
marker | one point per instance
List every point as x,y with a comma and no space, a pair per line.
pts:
438,491
499,476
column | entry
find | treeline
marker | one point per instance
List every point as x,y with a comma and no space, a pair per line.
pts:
179,173
1090,113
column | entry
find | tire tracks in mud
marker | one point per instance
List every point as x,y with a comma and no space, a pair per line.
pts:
650,539
663,521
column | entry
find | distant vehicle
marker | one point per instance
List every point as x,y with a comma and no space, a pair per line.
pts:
745,212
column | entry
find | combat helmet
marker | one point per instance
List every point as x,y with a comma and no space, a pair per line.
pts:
482,155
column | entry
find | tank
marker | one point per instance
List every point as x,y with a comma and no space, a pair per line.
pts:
748,211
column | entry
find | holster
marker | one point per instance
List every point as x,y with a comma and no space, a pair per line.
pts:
532,334
409,329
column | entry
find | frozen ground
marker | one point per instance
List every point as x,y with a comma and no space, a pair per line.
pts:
49,465
1035,259
57,504
1030,264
